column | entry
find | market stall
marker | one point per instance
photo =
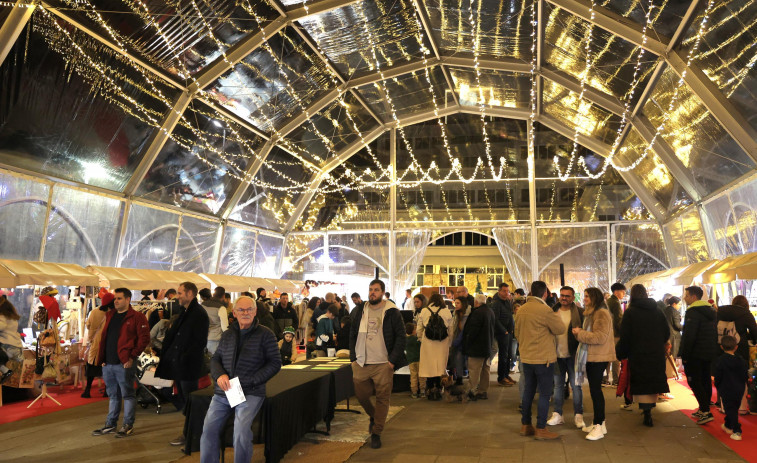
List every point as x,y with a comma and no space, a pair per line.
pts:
734,275
232,283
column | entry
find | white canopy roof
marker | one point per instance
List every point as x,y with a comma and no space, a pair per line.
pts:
234,283
112,277
48,273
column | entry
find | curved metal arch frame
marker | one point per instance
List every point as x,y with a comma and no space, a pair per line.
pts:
179,228
341,246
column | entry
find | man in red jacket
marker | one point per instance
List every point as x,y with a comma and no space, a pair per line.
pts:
124,336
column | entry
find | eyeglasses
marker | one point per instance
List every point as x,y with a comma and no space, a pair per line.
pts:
245,311
565,296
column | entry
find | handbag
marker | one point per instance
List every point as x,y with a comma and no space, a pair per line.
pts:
47,338
39,366
40,316
49,372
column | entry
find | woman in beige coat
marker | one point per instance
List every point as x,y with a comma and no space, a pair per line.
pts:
596,348
434,354
95,323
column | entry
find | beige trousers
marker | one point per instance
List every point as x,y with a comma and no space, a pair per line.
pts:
478,374
416,382
369,380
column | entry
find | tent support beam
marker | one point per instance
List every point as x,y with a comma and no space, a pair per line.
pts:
13,26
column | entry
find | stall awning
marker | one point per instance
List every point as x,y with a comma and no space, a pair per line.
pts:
284,286
645,280
7,279
134,278
48,273
732,268
691,272
233,283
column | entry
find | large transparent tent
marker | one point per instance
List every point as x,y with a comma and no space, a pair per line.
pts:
271,138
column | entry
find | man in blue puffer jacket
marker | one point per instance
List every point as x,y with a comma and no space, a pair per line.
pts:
249,352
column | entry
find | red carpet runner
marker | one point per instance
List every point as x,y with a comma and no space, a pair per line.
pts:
747,448
67,397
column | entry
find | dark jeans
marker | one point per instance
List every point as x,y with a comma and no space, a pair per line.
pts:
504,355
594,373
698,376
731,406
541,377
183,389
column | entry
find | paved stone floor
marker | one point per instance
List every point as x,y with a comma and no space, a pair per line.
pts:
483,431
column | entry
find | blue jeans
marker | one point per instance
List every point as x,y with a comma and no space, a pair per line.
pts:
566,366
504,344
539,376
218,413
119,384
212,346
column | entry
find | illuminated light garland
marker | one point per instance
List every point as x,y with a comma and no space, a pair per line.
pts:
532,102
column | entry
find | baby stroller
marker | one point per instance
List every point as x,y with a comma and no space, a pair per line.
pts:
148,383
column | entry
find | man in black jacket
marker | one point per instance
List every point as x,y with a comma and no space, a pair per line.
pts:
284,311
247,352
503,331
183,355
377,348
699,347
478,336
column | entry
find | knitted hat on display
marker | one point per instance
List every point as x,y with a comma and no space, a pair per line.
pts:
289,330
49,291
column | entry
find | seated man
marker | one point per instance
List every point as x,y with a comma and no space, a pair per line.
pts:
257,358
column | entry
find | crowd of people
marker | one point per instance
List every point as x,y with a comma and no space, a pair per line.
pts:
559,342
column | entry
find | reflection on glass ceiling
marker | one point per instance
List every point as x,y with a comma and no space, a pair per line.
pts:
356,36
502,26
665,17
409,93
613,58
274,83
697,138
500,89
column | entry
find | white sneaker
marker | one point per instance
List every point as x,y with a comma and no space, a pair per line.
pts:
736,436
556,419
591,428
627,407
595,433
579,420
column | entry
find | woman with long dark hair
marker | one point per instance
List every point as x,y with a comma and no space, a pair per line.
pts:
95,323
596,348
644,335
10,341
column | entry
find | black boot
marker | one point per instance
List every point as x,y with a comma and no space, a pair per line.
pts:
647,409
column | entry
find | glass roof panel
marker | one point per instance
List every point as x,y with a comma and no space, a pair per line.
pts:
270,200
726,53
329,131
590,119
409,92
503,27
698,140
613,58
652,173
500,89
200,167
666,15
270,86
179,37
355,36
62,118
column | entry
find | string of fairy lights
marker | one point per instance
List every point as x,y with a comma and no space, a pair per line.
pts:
113,82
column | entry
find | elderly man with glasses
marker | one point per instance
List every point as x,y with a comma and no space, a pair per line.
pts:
249,352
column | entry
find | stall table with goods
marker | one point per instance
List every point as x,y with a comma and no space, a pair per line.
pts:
299,397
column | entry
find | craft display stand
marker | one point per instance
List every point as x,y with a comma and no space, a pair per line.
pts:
43,395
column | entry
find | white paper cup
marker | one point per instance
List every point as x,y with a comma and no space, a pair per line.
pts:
331,352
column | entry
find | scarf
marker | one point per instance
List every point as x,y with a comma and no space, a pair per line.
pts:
582,353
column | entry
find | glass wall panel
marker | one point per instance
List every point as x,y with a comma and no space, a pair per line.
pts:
582,251
515,247
298,246
699,141
150,238
725,52
23,206
688,240
267,253
734,219
639,249
725,230
201,166
84,228
197,241
349,36
373,245
237,251
61,118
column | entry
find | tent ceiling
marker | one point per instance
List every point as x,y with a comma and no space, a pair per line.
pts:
261,105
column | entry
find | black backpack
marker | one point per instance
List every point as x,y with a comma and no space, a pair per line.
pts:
435,329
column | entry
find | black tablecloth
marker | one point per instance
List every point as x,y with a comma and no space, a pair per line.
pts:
296,400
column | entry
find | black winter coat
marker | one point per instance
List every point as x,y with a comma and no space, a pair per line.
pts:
745,326
255,363
700,334
183,355
644,334
282,313
503,316
478,333
265,318
393,328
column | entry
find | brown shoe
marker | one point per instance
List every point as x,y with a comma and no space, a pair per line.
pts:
510,380
543,434
527,430
504,383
